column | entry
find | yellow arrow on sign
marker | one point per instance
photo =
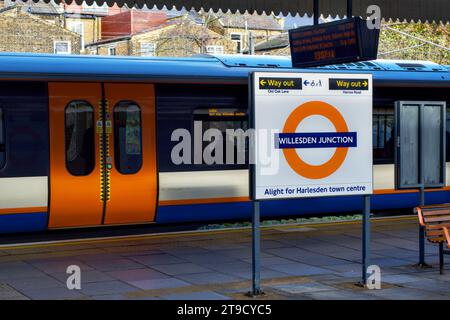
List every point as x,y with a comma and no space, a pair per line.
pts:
365,83
262,82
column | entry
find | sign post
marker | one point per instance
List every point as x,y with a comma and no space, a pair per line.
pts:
366,239
313,139
256,249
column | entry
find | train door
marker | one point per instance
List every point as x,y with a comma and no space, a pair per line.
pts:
102,154
132,155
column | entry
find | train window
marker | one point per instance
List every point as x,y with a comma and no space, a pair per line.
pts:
447,136
80,138
225,119
383,138
2,139
127,137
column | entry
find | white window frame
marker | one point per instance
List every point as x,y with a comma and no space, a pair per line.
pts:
214,49
69,46
148,43
237,41
77,23
109,51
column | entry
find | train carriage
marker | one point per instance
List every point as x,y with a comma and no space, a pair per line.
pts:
86,141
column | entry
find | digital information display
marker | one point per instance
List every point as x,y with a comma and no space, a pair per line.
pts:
335,42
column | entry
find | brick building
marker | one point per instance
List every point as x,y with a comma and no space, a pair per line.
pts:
131,22
172,38
83,19
21,31
122,31
237,27
155,34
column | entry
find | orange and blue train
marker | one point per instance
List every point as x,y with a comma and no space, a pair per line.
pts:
86,140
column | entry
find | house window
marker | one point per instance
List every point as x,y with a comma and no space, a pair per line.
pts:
111,51
237,38
214,49
383,138
62,47
77,27
148,49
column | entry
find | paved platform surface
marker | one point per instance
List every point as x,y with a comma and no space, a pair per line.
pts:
298,262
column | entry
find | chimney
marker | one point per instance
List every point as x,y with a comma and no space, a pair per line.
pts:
280,20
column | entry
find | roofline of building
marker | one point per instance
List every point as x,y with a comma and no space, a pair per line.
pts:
248,28
272,48
79,15
15,6
107,41
8,8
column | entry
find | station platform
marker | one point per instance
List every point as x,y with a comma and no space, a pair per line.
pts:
316,261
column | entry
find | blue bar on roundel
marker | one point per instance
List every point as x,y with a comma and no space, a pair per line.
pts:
315,140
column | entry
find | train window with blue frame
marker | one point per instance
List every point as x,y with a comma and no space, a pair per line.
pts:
235,147
383,137
80,138
127,137
2,139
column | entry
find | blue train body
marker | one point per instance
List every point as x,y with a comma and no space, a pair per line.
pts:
181,89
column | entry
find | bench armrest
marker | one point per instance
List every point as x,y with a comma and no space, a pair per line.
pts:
419,214
447,236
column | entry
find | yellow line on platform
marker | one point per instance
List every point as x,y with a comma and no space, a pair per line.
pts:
188,233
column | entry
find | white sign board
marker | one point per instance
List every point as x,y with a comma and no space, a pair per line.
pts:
313,135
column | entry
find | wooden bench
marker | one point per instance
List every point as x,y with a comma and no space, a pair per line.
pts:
436,220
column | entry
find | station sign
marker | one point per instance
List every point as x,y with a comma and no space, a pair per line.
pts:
313,139
342,41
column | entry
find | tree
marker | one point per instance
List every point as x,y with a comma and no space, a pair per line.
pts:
187,36
415,41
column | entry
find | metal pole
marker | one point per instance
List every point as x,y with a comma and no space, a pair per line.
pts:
251,44
366,239
422,262
349,9
316,12
256,247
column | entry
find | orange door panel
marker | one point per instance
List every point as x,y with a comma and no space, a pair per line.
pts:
75,176
131,136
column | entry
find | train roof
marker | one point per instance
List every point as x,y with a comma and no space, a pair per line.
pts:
205,69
